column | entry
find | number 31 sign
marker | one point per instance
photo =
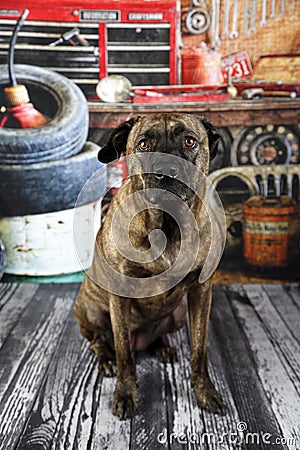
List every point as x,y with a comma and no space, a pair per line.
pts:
235,66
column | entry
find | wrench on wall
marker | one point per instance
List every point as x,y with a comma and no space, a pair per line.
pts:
234,32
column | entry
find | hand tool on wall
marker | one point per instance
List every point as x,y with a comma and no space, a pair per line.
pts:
234,32
264,13
225,30
253,16
246,16
216,41
273,9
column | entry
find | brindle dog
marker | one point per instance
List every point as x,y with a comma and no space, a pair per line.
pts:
118,325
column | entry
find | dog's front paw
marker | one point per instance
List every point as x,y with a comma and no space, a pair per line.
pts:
208,397
125,400
107,367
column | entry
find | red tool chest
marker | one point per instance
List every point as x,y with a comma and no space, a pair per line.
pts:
137,39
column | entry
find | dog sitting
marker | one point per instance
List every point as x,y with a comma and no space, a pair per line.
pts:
117,323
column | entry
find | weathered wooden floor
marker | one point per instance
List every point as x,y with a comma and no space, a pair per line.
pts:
51,396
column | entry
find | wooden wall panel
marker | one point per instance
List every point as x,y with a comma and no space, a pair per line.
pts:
280,35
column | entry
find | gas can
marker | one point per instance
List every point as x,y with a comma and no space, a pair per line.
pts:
270,232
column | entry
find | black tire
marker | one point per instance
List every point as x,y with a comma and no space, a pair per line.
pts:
222,158
51,186
56,97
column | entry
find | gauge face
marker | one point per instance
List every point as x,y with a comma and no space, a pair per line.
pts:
263,145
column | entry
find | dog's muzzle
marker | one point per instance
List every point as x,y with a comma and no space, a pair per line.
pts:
165,170
168,177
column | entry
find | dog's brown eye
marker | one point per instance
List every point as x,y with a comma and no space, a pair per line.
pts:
190,142
144,144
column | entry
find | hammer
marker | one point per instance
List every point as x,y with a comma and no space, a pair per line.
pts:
250,94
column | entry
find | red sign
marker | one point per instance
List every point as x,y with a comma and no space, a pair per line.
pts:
236,66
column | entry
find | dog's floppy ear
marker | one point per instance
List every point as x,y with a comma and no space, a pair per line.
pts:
116,143
213,136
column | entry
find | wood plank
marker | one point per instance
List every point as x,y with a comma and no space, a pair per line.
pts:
198,428
33,359
151,417
224,428
46,413
6,292
86,420
15,347
186,425
77,417
109,431
247,391
14,302
294,292
279,389
281,297
283,341
225,113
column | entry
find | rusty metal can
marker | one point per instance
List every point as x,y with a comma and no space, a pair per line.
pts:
201,65
270,232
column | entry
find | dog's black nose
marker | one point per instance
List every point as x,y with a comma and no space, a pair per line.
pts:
162,171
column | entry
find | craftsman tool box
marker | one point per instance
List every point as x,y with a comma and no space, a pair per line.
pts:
87,40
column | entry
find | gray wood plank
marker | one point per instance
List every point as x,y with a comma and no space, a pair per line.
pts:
6,292
186,425
294,292
14,348
46,413
199,428
77,419
109,432
19,296
286,307
282,339
249,396
86,420
279,389
32,361
151,416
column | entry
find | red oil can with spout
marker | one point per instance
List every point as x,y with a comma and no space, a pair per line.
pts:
20,112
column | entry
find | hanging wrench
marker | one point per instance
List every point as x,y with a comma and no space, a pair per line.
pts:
273,11
282,9
246,17
226,19
216,36
253,16
234,32
292,4
264,13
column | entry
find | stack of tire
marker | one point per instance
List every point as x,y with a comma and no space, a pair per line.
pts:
42,172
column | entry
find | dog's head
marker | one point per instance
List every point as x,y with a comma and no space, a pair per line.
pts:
184,136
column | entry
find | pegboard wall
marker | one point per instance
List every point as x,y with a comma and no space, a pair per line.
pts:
274,29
